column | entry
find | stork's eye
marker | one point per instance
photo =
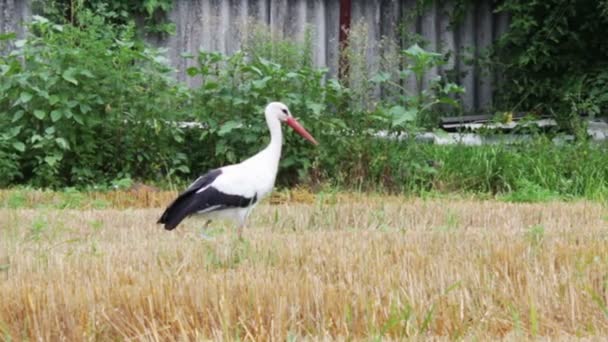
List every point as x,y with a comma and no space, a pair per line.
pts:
284,110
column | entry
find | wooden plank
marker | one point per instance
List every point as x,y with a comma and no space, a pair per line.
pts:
484,41
502,22
211,16
482,118
13,13
466,118
410,20
390,48
235,24
204,21
390,16
224,25
428,29
316,19
447,39
373,52
296,19
278,17
172,43
501,26
259,11
332,29
466,53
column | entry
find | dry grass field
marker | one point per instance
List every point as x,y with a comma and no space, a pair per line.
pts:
364,268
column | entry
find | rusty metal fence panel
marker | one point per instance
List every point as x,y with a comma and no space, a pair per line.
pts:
219,25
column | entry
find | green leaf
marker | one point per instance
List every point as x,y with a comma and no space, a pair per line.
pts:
183,169
316,108
7,36
61,142
19,146
210,85
56,115
39,19
254,69
25,97
401,115
68,75
39,114
87,73
18,115
53,99
414,50
228,126
381,77
192,71
259,84
52,160
78,119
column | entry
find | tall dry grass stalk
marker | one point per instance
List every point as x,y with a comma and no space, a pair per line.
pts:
389,269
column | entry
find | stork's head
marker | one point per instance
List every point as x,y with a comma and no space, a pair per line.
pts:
279,111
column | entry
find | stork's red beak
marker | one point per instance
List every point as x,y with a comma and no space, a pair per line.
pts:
293,123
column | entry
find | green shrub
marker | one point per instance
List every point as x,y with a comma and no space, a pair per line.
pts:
87,104
553,59
118,13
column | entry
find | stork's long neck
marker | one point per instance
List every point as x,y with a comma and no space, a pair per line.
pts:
276,140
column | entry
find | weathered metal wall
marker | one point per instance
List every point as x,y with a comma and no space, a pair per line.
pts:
218,25
12,15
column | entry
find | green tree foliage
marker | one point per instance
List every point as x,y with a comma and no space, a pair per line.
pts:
118,13
554,57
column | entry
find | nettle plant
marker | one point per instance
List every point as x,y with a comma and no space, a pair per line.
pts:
408,110
80,112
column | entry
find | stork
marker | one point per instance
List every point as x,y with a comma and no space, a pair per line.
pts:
232,191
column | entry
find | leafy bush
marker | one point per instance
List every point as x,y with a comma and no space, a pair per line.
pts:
424,108
87,104
9,156
553,58
380,87
117,13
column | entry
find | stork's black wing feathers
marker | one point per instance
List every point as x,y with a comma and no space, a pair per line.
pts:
210,199
181,206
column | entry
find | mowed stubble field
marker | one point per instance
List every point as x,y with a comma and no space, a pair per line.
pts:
355,268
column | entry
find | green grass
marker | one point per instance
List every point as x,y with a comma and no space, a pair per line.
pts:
537,171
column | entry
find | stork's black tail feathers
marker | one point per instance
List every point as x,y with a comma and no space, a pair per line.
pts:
177,211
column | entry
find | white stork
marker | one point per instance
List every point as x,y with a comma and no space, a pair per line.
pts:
232,191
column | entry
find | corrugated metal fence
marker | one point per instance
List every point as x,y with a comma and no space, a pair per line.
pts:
12,15
219,25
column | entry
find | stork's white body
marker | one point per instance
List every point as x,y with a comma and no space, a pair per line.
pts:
253,177
232,191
